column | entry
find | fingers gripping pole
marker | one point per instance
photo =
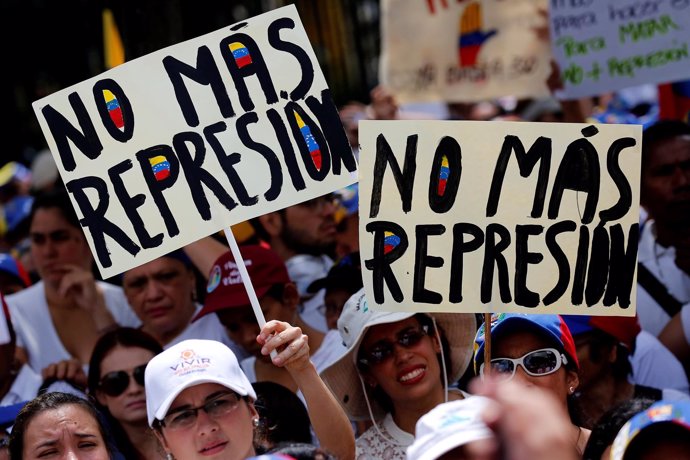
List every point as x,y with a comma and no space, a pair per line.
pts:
248,286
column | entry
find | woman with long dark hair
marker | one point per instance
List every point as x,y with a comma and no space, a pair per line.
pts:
116,382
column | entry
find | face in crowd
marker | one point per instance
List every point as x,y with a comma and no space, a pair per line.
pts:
58,426
161,293
208,421
55,243
665,190
401,359
121,383
304,228
543,365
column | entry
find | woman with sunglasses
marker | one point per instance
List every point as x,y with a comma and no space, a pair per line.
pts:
200,403
397,367
116,382
536,350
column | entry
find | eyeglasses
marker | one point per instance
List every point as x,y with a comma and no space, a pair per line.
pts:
115,383
384,349
216,407
536,363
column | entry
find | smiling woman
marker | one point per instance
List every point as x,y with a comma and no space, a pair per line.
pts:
59,425
397,366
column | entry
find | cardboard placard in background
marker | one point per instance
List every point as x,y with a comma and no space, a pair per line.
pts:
605,46
463,51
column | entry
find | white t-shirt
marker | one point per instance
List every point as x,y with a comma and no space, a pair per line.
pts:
653,365
660,261
208,327
303,269
36,332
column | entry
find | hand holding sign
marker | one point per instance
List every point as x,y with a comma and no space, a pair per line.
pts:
471,36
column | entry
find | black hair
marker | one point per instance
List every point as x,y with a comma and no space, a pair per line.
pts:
303,451
609,424
660,131
126,337
51,401
282,416
380,396
59,200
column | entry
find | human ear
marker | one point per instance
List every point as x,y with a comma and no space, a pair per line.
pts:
572,380
272,223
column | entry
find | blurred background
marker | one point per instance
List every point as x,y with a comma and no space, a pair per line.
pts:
50,45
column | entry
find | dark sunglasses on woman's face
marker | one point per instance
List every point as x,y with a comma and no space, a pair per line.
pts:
116,382
382,350
535,363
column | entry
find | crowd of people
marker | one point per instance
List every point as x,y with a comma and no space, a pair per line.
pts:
168,360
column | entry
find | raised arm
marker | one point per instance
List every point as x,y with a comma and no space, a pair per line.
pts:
330,422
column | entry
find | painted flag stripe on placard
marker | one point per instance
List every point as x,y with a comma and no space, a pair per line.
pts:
390,242
160,166
241,54
114,109
313,147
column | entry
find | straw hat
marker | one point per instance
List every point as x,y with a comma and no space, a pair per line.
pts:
342,376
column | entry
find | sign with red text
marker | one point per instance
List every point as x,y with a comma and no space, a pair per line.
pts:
605,46
176,145
469,216
463,50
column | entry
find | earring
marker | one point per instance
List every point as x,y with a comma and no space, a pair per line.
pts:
571,390
256,422
169,456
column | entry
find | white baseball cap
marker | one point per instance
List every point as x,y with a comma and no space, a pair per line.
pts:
448,426
189,363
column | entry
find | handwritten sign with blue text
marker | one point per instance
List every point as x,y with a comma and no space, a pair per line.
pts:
463,50
463,216
603,46
174,146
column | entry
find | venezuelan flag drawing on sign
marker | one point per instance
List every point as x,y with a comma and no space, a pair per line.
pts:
241,54
313,147
114,109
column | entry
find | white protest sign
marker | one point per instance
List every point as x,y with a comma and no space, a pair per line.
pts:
463,51
463,216
174,146
605,46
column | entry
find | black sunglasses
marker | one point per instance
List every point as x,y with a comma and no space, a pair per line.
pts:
116,382
384,349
